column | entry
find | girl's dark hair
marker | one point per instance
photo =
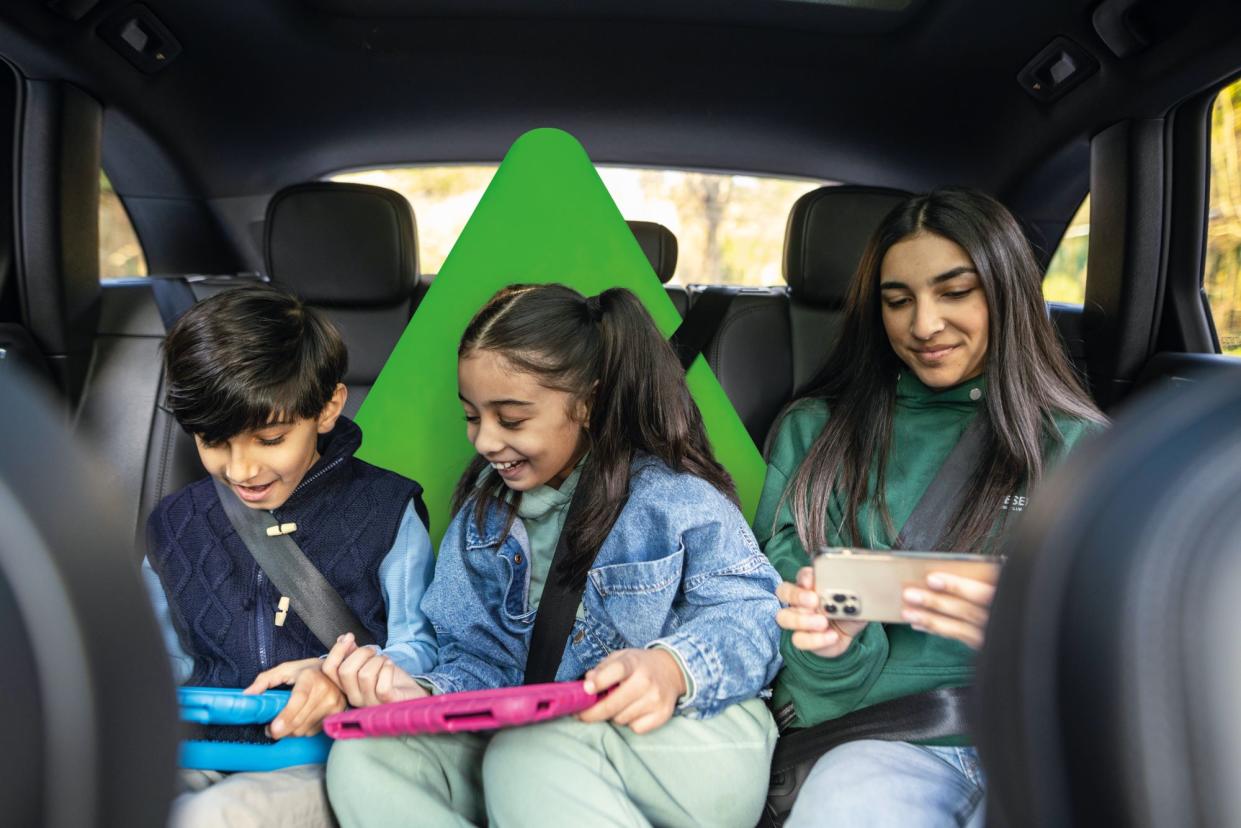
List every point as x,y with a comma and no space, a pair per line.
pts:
247,357
1028,377
605,352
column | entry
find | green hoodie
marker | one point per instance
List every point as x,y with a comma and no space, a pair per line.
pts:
887,660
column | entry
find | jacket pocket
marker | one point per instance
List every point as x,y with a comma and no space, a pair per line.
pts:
635,599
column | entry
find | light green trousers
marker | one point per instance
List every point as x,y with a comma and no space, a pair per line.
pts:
688,772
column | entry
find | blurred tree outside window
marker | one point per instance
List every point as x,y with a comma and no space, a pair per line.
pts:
1221,276
120,253
729,228
1065,280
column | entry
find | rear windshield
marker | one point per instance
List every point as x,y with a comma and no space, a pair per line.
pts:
729,228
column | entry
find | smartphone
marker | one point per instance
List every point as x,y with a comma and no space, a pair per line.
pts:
866,585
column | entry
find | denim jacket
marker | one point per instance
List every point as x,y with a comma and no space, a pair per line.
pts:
680,569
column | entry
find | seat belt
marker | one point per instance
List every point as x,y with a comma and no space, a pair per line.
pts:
318,604
919,717
933,714
173,297
926,526
557,607
701,323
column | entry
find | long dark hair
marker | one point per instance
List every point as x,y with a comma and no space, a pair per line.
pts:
605,352
1029,380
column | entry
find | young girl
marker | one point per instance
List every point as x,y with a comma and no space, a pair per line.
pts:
675,617
945,322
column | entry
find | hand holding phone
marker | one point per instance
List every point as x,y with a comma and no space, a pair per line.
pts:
947,594
812,630
952,606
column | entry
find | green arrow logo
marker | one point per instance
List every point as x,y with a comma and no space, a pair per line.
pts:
545,217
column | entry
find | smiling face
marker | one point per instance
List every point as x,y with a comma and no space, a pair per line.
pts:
934,309
263,466
529,433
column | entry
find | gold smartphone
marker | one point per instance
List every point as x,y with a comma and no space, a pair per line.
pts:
866,585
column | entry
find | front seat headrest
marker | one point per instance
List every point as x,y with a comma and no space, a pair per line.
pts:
90,731
827,233
342,245
660,246
1108,682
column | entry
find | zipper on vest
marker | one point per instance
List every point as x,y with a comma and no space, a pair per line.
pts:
260,617
308,480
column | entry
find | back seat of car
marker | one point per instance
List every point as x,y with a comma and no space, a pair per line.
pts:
350,250
347,249
772,341
660,246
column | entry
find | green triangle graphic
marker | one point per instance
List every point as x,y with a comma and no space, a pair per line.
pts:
545,217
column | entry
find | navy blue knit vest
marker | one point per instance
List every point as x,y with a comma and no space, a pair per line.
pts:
347,514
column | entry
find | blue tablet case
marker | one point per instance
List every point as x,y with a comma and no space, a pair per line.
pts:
227,732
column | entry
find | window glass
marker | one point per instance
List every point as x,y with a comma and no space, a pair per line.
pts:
729,228
1221,277
1065,280
120,253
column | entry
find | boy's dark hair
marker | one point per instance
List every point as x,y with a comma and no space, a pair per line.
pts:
247,357
604,351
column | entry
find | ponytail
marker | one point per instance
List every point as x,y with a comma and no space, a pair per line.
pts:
607,353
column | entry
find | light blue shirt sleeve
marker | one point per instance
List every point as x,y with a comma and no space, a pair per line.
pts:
182,664
404,576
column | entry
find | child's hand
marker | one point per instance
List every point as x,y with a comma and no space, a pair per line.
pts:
280,675
812,630
951,606
366,677
647,685
314,697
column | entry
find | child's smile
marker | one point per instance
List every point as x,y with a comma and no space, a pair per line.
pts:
525,430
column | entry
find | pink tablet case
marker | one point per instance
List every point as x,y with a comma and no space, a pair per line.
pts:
472,710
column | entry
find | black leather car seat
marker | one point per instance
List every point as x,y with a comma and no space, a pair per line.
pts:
660,246
772,341
1109,680
350,250
90,723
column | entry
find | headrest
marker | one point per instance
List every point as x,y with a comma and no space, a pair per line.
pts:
827,233
659,245
349,245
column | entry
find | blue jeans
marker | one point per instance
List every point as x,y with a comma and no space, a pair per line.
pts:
875,783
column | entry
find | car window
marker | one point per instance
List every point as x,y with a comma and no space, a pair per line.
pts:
729,228
1221,276
120,252
1065,280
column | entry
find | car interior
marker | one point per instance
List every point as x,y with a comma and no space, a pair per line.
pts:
220,125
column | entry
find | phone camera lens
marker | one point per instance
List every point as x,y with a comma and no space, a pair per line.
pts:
839,598
832,609
850,610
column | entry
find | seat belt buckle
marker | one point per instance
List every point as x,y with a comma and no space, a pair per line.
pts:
282,529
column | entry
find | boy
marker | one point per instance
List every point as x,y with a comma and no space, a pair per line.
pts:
255,377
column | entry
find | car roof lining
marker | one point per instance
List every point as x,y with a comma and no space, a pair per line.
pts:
271,93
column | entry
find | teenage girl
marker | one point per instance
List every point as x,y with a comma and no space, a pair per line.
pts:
675,619
945,323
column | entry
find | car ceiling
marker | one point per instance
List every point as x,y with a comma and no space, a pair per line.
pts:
270,92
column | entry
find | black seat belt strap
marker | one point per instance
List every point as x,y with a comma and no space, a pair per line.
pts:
173,297
557,608
928,523
933,714
317,603
701,323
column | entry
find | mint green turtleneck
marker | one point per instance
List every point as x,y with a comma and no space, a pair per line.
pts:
542,511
